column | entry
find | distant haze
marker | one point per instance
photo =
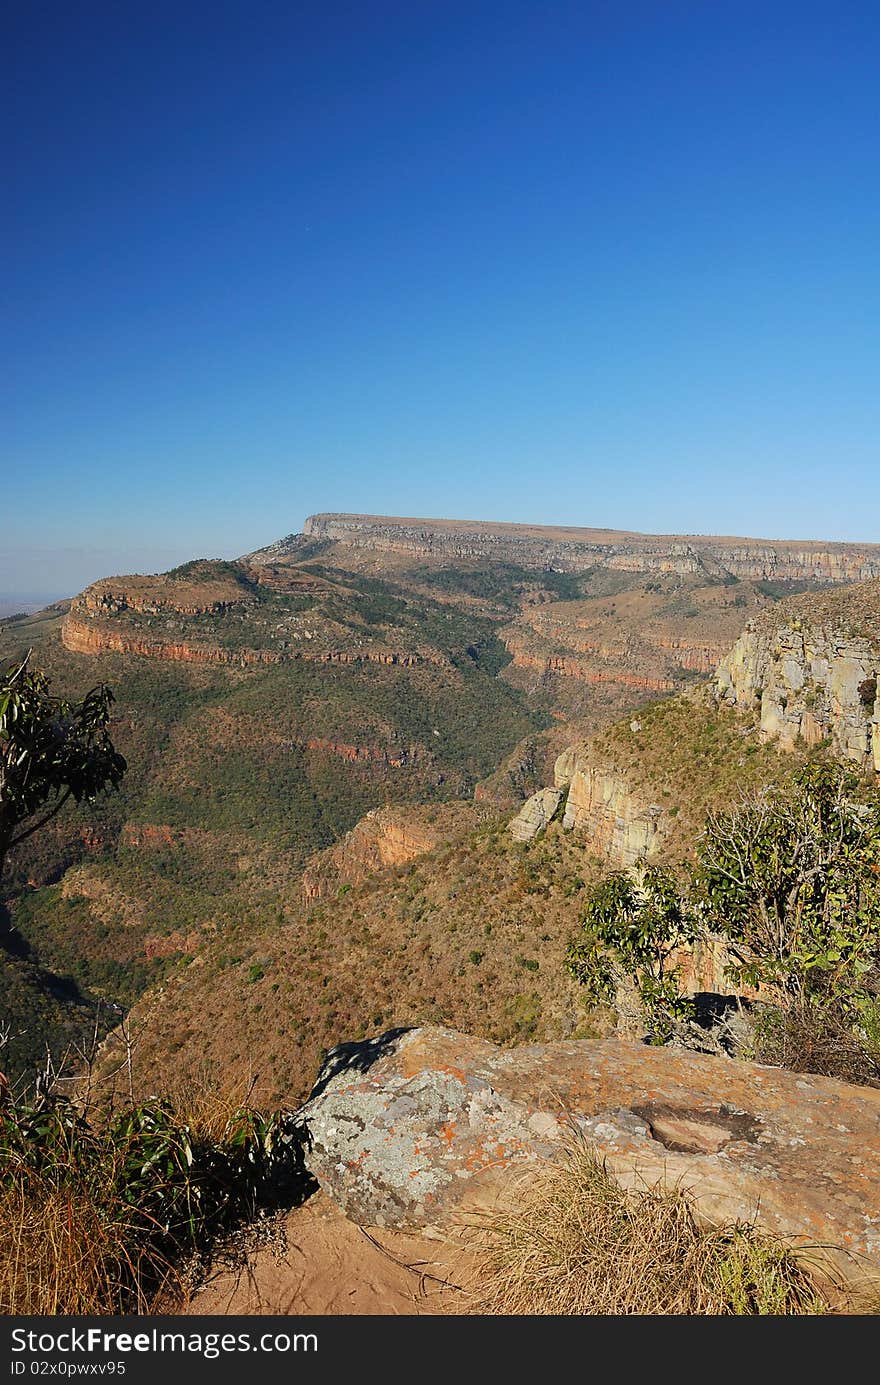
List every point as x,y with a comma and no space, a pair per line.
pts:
12,605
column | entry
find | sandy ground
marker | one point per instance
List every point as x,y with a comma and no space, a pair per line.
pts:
324,1264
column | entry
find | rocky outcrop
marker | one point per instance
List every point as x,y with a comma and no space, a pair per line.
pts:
177,942
428,1128
615,821
809,683
142,834
364,754
697,658
576,550
535,814
385,837
82,636
569,667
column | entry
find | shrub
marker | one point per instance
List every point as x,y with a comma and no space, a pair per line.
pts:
630,929
792,877
97,1220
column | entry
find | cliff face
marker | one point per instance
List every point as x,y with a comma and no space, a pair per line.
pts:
385,837
615,822
81,636
576,550
809,683
585,673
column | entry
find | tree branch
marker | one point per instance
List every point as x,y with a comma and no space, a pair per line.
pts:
42,823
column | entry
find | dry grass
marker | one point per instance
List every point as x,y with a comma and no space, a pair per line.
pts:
821,1040
104,1216
65,1251
580,1245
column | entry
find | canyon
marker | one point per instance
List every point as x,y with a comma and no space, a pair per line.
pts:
355,752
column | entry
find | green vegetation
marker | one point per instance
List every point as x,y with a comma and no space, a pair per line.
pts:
631,929
790,877
50,750
501,584
778,591
238,775
98,1217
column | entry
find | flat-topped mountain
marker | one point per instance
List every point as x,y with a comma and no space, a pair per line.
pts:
573,549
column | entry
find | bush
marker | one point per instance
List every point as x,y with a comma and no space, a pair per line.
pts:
97,1220
817,1038
629,929
791,877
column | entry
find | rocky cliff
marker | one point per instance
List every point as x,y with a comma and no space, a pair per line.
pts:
582,672
83,636
614,820
811,671
576,550
385,837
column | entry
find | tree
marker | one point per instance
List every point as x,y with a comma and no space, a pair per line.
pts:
792,878
631,928
50,750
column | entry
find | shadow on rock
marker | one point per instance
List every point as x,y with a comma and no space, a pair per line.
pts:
359,1056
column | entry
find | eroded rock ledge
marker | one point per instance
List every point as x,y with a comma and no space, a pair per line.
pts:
427,1128
385,837
809,682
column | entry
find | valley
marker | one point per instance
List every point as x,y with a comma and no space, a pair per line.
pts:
379,776
267,705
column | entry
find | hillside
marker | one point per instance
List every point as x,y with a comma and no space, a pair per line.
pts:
576,550
242,766
471,933
267,705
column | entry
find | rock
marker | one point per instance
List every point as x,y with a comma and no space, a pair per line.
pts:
570,549
535,813
426,1129
385,837
809,682
615,822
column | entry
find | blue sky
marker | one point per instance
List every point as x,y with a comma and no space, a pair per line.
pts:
605,264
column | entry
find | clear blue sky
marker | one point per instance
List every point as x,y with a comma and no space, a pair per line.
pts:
596,263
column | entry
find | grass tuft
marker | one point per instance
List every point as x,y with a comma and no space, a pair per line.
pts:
579,1244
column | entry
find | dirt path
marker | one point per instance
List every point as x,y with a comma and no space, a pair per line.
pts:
324,1264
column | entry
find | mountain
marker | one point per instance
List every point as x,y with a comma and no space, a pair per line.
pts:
577,550
293,720
469,930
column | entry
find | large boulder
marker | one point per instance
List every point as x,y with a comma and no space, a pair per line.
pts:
425,1129
535,814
